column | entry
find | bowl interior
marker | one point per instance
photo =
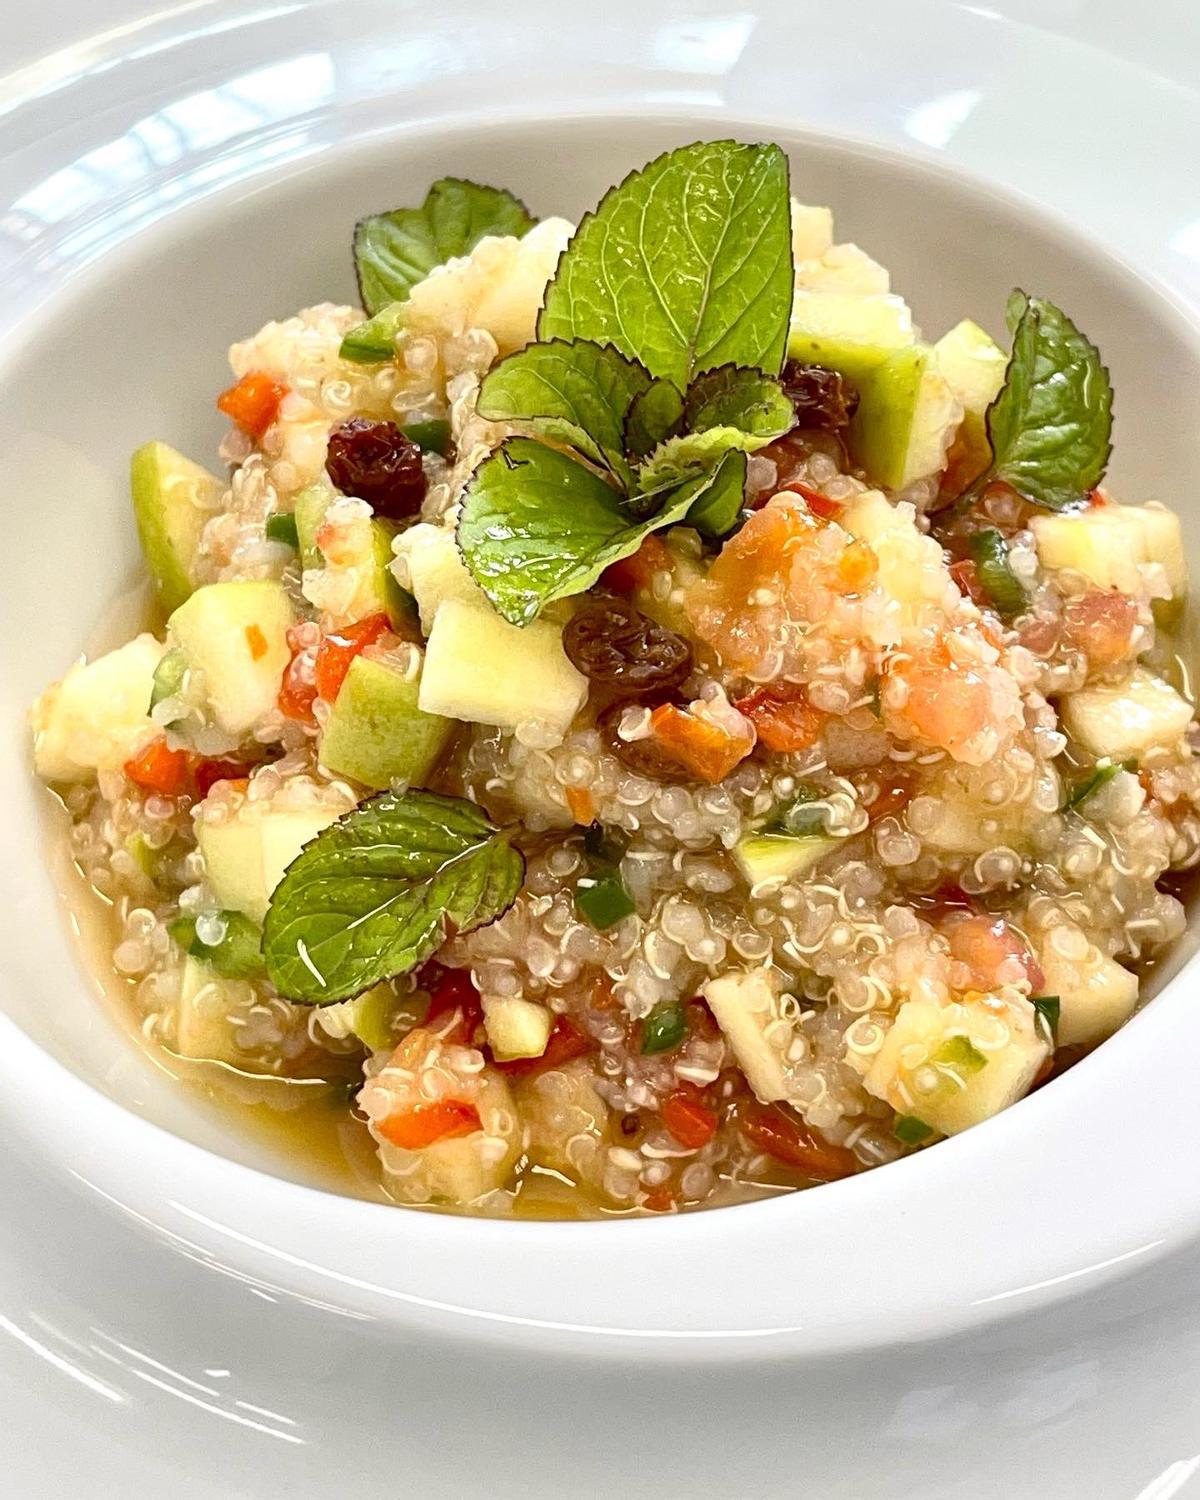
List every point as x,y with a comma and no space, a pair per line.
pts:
136,350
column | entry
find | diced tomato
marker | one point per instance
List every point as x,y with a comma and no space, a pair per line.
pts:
298,691
894,795
692,1123
783,718
707,749
857,566
789,1140
160,769
821,506
257,642
209,772
636,571
420,1127
253,403
1101,623
660,1200
566,1042
453,990
338,649
987,945
581,804
966,576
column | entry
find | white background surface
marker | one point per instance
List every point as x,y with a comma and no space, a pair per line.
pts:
118,1379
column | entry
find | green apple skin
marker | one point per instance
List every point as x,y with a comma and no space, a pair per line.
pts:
165,488
376,734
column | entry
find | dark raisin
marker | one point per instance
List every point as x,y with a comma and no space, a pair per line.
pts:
616,646
644,756
822,398
630,1124
377,463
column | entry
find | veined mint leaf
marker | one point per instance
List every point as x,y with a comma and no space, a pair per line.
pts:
374,341
692,453
1050,427
715,510
536,525
653,417
379,890
393,251
730,396
686,265
571,393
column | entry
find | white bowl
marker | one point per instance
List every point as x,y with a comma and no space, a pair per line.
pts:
135,349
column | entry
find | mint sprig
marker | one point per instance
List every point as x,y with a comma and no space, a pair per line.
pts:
577,394
393,251
1050,428
377,892
733,396
538,526
686,265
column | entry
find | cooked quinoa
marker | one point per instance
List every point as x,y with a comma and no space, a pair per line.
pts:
838,829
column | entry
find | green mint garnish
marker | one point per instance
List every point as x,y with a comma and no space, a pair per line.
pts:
1048,1008
577,394
431,435
689,454
654,417
961,1053
1097,777
374,341
719,506
731,396
802,815
238,955
538,526
686,265
1050,427
393,251
377,892
989,553
281,527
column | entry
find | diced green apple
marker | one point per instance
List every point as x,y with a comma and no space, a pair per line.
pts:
849,333
1096,995
436,570
973,365
1126,719
517,1028
906,413
376,734
202,1029
745,1003
246,855
236,635
172,499
770,856
96,718
1106,543
481,669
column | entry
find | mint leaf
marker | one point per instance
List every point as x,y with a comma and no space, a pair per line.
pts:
372,342
715,511
731,396
1050,428
380,890
536,525
692,453
393,251
653,417
686,265
571,393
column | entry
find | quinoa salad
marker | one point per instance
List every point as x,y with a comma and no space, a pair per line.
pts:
632,719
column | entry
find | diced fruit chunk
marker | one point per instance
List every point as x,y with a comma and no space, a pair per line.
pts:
245,855
517,1028
973,365
770,856
202,1029
481,669
236,634
1096,995
436,570
172,499
955,1065
376,734
905,418
745,1003
566,1123
1106,543
96,718
849,333
1127,719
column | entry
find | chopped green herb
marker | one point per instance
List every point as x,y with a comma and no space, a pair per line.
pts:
373,342
603,899
606,845
238,954
168,676
281,527
376,893
665,1027
803,814
960,1053
989,552
1048,1008
910,1131
432,436
1099,776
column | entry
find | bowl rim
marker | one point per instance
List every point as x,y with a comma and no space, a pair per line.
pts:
313,1244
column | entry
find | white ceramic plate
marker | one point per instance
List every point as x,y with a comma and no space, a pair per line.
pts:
211,1331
